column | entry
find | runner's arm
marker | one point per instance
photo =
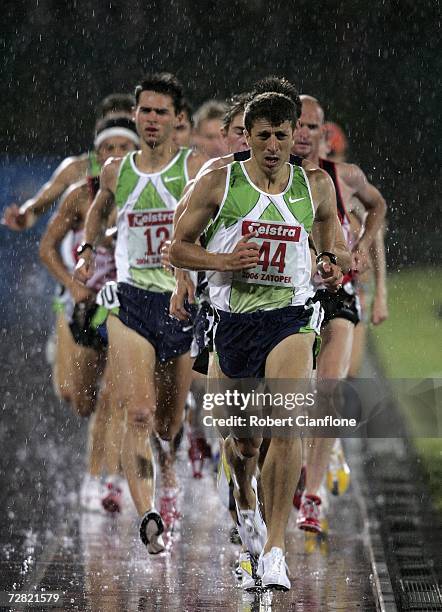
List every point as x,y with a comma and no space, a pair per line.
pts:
341,251
379,309
324,226
97,218
66,218
204,200
371,199
68,172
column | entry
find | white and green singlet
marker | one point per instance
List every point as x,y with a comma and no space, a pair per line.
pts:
146,204
283,222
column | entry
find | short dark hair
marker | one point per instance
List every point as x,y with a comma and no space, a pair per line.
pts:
187,108
237,105
274,107
116,102
162,83
279,85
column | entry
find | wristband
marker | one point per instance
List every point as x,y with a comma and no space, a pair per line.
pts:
83,246
331,256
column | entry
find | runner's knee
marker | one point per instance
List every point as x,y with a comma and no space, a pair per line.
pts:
140,416
248,448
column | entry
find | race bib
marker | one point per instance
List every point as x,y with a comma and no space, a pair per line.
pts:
148,230
107,296
278,253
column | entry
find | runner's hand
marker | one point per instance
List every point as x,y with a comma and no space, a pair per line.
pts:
331,275
379,309
81,293
16,220
85,266
184,290
244,256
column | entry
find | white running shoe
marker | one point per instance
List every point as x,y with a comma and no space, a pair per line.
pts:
272,570
251,526
91,493
245,571
151,529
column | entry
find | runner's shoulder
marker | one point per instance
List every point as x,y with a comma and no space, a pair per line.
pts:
195,162
349,173
111,167
317,177
74,168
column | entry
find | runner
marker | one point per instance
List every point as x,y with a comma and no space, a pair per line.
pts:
341,309
71,170
276,313
207,137
149,350
184,127
79,357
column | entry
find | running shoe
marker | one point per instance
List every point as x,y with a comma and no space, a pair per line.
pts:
338,474
169,507
199,450
112,501
151,529
245,571
251,526
91,493
300,488
308,517
272,569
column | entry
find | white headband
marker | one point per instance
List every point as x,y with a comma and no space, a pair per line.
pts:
115,131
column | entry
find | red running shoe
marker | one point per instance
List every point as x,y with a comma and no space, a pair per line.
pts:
198,451
113,500
300,488
169,507
309,514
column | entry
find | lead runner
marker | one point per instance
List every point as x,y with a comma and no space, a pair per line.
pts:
262,323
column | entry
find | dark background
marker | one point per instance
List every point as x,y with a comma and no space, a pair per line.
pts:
374,66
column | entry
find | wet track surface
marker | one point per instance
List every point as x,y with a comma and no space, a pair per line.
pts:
97,561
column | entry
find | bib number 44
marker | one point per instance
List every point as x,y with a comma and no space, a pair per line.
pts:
278,252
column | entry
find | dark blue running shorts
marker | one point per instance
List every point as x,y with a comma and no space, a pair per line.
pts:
147,313
243,341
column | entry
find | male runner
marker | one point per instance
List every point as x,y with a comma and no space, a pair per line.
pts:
184,126
207,137
79,348
264,188
341,309
149,350
71,170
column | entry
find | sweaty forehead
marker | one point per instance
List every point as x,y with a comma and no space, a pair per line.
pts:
311,113
264,125
152,99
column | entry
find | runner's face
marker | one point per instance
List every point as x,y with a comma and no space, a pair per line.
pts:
270,144
155,118
115,146
208,138
183,131
234,137
308,132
